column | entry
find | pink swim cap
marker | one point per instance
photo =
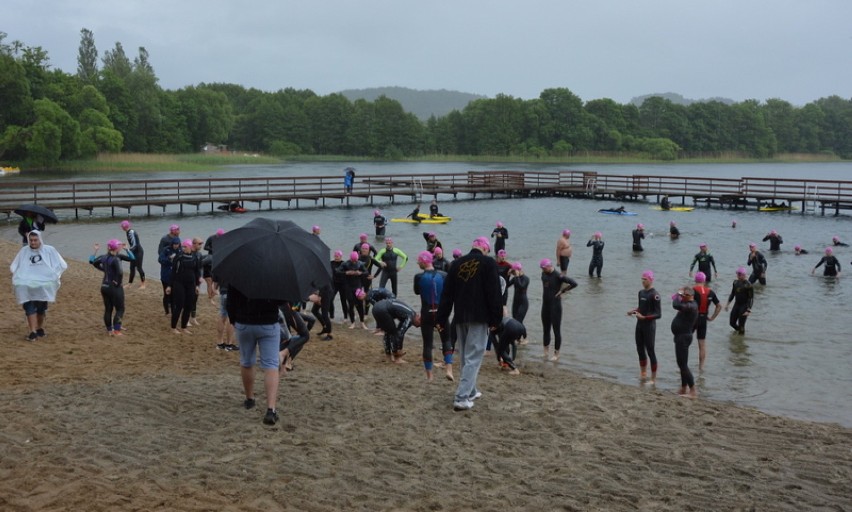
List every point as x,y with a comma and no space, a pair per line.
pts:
499,224
363,236
798,248
741,271
438,251
187,242
365,246
566,232
640,226
376,213
517,266
174,227
113,244
501,253
125,224
388,240
360,293
671,223
773,232
220,231
835,238
338,253
702,244
456,253
598,234
752,245
545,263
648,274
315,228
425,258
700,277
482,244
431,234
353,256
828,250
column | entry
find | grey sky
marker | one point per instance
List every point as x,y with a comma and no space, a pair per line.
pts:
795,50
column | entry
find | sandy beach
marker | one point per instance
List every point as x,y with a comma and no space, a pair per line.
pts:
154,421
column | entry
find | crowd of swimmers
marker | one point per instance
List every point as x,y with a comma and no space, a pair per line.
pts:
186,264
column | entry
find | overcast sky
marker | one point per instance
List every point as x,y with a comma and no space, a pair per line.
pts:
796,50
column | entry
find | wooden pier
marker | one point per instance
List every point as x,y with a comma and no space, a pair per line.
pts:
126,196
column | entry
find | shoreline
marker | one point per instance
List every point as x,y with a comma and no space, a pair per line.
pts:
155,420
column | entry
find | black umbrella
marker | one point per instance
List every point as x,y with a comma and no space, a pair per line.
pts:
272,259
36,209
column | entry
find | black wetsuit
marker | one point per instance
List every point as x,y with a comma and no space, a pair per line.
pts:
441,264
596,265
207,261
135,247
638,236
357,248
380,222
111,289
682,326
551,306
832,265
292,319
520,300
338,288
742,294
674,232
387,312
322,311
350,284
389,272
433,210
431,244
186,273
428,285
758,267
705,263
646,329
775,241
500,235
506,347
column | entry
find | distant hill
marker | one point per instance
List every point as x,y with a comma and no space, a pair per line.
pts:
422,104
677,99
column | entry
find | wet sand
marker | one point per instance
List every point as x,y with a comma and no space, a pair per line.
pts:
154,421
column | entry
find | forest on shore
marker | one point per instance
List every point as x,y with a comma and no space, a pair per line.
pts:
113,104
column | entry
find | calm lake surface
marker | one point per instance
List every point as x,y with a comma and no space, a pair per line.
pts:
796,355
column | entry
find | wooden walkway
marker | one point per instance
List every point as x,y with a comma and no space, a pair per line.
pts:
126,196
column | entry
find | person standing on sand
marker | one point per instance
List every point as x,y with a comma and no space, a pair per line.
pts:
647,313
362,239
183,288
564,251
520,300
135,246
207,264
36,270
742,293
472,291
166,241
30,222
704,296
352,271
392,261
682,325
112,290
429,284
256,325
553,287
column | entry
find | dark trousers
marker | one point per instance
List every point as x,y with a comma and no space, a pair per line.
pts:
183,298
551,318
427,331
646,333
682,343
136,265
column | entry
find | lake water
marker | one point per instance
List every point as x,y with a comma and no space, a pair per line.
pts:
794,359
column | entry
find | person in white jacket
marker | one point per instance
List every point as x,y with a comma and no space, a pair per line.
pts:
36,270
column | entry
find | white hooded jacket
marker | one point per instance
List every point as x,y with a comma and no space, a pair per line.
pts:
36,272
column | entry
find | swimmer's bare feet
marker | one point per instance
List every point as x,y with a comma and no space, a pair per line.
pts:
142,286
176,331
449,373
524,341
352,326
555,356
429,376
515,372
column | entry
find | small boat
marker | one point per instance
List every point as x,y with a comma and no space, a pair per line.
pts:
776,208
9,170
674,208
436,217
423,221
616,212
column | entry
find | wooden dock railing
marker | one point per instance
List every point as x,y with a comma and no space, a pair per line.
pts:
296,191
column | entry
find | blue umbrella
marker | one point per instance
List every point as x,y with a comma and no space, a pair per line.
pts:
272,259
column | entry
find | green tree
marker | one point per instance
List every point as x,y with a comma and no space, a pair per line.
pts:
53,136
780,117
16,102
836,126
207,115
87,58
329,118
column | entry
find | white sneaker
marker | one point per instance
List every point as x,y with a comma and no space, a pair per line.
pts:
464,405
476,396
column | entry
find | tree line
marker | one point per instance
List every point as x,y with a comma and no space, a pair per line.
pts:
114,104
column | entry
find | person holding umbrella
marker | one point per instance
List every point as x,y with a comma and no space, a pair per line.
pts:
34,217
286,264
36,270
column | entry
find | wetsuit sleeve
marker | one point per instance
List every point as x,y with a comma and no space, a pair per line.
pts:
821,261
570,282
694,261
733,292
129,256
417,283
656,308
766,238
750,294
713,263
97,262
402,255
